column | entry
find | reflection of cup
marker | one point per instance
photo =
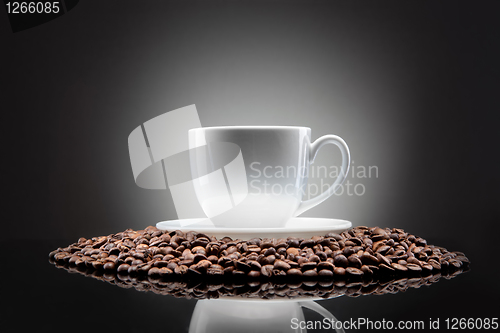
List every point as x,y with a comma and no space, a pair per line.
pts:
264,185
221,316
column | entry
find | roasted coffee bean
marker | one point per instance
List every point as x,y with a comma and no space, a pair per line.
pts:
307,243
414,267
354,261
310,273
97,264
281,251
340,261
325,265
368,259
267,270
325,273
386,267
281,265
399,267
254,265
339,271
308,265
181,270
354,271
172,265
269,251
348,251
382,249
198,257
294,272
269,260
435,264
202,266
154,271
144,268
366,270
123,268
383,260
242,266
253,274
455,263
427,267
215,270
314,258
109,266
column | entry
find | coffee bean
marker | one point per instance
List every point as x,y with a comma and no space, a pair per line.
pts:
154,271
325,265
368,259
215,270
427,267
366,270
399,267
242,266
354,271
340,261
386,267
109,266
97,264
314,258
334,236
325,273
383,260
354,261
310,273
455,263
294,272
254,265
281,265
251,249
348,251
414,267
172,265
123,268
267,270
198,257
307,243
435,264
254,274
382,249
181,270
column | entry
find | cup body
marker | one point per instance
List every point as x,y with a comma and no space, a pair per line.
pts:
260,184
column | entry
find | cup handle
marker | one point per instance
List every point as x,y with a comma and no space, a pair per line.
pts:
311,305
346,161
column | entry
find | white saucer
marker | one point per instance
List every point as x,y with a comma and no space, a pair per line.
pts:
300,227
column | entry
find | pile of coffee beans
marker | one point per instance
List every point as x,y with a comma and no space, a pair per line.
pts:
284,288
359,253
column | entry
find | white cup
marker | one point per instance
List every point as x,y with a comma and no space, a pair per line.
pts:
255,176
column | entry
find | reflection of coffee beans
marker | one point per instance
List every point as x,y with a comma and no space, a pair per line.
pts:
162,281
357,253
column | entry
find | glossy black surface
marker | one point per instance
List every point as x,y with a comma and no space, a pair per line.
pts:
411,86
53,300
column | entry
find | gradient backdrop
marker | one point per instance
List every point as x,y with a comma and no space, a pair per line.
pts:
411,86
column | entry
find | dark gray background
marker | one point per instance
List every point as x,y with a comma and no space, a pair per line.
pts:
411,86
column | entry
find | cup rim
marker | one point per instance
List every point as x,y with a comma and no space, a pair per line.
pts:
250,127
